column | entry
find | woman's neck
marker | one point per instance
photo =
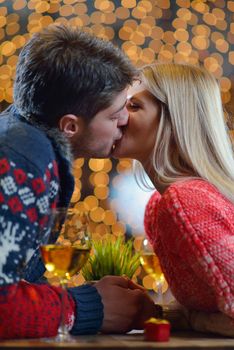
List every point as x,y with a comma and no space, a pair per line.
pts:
153,177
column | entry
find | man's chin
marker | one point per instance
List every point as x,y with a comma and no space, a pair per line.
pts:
98,154
101,154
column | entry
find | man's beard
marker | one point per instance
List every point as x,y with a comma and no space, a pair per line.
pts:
83,148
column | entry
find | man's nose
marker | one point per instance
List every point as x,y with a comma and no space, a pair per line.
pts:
123,120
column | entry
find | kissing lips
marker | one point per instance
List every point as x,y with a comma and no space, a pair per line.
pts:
118,141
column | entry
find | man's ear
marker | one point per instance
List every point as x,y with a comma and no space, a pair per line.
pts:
70,125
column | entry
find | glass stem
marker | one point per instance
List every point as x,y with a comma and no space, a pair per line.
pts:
63,331
160,293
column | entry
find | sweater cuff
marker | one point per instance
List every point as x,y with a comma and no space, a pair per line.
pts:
89,310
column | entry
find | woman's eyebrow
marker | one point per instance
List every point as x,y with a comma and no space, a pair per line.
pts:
135,99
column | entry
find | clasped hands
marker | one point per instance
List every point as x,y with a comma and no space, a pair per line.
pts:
126,304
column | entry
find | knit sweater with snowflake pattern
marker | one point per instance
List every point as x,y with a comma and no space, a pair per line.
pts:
35,175
191,227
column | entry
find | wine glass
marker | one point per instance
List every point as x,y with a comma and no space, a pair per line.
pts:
151,265
68,254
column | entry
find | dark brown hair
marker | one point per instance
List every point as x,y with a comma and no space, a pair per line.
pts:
63,70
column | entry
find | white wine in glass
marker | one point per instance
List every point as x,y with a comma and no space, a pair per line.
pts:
64,261
68,254
151,265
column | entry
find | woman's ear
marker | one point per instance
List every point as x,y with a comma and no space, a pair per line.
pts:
69,124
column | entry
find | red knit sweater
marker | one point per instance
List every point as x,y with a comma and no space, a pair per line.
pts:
191,227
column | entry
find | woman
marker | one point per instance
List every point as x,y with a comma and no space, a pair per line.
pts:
177,132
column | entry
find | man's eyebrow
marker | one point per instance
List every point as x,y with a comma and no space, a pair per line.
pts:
120,109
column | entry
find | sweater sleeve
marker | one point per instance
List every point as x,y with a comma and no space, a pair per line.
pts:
196,224
88,310
33,311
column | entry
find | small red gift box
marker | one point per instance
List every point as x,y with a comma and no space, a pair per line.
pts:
157,330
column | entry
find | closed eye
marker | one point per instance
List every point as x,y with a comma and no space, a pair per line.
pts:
132,106
114,118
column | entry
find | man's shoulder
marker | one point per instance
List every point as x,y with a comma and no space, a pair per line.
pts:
14,128
21,140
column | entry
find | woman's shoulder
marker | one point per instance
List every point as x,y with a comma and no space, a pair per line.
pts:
191,192
197,200
193,184
193,199
195,191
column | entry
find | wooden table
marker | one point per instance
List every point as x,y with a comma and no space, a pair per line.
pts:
184,341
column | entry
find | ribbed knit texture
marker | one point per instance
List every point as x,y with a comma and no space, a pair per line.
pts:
32,311
89,310
192,230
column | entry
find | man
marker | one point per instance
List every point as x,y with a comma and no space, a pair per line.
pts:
69,102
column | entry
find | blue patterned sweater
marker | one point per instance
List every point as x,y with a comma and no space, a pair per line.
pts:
35,175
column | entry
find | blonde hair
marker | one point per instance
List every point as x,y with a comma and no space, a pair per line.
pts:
192,140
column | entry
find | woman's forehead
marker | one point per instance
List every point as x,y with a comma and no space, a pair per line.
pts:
136,88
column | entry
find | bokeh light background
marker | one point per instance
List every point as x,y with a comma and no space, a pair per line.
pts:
198,31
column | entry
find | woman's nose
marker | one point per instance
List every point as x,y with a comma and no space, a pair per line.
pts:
123,120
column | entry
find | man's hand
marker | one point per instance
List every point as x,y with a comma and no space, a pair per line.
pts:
126,304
